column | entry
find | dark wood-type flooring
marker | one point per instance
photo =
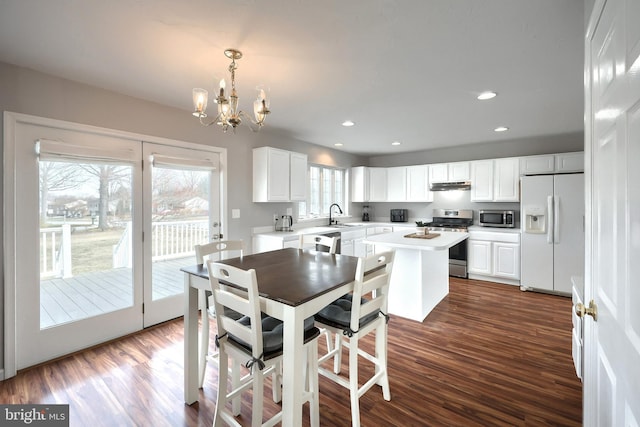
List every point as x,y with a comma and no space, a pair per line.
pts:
488,355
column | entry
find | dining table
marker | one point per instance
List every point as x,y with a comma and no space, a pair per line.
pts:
293,285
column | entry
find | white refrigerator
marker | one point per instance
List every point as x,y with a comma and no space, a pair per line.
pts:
552,222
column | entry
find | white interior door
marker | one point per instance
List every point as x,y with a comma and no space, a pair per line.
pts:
181,209
612,340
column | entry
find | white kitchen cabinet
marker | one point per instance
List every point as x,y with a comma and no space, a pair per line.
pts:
494,256
482,181
495,180
480,254
569,162
506,180
298,177
351,242
552,163
506,260
368,184
418,184
532,165
397,184
449,172
359,184
438,172
459,171
274,171
377,184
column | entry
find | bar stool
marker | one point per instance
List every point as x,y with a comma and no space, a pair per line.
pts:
257,340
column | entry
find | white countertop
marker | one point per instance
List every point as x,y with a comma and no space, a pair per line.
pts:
445,240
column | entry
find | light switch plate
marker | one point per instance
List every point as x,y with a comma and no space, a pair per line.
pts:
235,213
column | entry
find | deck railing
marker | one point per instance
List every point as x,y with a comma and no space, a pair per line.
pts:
55,251
170,240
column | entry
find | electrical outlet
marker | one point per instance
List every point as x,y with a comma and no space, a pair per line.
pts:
275,217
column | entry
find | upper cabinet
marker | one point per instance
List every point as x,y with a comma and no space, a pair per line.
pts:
552,163
397,184
449,172
418,184
368,184
279,175
495,180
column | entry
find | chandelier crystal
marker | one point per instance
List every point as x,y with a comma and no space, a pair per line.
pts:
228,113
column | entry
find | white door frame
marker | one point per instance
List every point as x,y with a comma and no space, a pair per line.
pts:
12,124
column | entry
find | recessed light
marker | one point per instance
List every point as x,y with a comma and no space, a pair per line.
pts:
348,123
395,143
501,129
338,144
487,95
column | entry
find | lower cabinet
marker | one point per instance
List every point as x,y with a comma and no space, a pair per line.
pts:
494,256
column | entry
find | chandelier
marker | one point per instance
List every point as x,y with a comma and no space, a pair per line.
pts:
228,112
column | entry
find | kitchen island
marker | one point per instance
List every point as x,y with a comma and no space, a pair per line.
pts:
420,277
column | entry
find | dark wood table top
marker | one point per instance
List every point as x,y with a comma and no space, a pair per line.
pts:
292,276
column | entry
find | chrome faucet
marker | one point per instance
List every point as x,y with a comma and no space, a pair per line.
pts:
331,221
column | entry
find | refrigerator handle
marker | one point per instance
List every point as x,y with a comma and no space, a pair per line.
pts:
556,219
550,224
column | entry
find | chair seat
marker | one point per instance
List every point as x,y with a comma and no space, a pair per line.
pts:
272,335
338,313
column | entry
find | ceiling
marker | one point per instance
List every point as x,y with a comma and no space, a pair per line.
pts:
402,70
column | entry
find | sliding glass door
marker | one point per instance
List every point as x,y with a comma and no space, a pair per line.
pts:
103,225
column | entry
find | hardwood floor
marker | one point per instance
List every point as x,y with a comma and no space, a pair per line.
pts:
489,354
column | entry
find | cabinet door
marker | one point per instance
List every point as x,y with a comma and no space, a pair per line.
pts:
531,165
359,181
418,184
569,162
506,260
482,181
438,173
480,257
270,175
346,247
506,180
377,184
459,171
298,176
397,184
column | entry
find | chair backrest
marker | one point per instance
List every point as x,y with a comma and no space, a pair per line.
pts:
310,241
373,274
246,303
208,249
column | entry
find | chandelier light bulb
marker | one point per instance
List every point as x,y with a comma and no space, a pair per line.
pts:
229,115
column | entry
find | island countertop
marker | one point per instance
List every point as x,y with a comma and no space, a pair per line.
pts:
397,239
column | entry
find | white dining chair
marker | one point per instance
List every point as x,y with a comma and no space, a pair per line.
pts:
255,340
352,317
220,250
311,241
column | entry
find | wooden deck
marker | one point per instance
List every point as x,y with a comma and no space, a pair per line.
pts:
91,294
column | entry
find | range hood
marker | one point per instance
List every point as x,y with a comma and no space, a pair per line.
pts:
449,186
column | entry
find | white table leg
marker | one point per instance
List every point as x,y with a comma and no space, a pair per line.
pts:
292,379
190,341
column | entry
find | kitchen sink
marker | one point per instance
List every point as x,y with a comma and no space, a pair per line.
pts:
342,225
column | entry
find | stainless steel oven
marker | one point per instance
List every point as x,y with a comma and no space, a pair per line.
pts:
454,220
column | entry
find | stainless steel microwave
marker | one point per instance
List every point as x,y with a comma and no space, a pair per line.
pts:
504,219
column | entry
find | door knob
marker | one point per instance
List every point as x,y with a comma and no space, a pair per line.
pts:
592,310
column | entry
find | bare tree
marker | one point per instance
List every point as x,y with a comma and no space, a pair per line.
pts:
111,178
55,176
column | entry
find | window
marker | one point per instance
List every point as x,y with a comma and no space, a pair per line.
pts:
326,186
